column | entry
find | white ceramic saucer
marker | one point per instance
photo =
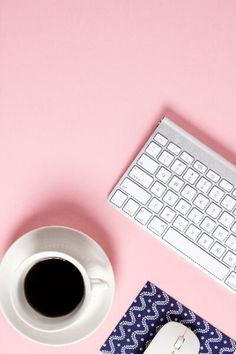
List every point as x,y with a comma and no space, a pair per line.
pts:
82,248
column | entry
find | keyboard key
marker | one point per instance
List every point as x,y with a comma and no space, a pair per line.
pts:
157,226
168,214
174,148
158,189
230,259
234,193
208,224
193,232
163,175
143,216
183,207
200,201
188,192
118,198
226,185
231,280
186,157
135,191
195,215
131,207
155,205
161,139
147,164
178,167
166,158
226,219
176,183
180,223
220,233
198,255
153,149
214,177
205,241
203,185
213,210
216,194
191,176
141,177
170,198
231,242
217,249
200,167
228,202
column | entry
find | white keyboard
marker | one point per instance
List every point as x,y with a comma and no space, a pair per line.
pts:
184,194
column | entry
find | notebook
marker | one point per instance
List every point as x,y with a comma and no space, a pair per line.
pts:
152,309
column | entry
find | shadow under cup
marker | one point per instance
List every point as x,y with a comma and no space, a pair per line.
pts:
50,291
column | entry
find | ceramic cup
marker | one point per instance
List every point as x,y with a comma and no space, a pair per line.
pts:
29,315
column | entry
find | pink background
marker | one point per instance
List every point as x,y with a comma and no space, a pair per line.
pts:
83,84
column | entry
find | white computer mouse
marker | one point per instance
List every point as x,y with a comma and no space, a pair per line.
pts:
174,338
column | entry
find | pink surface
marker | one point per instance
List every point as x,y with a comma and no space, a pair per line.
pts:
83,83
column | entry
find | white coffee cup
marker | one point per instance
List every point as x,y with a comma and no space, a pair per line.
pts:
33,318
71,245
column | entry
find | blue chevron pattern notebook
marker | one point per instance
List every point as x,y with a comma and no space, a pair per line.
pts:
152,309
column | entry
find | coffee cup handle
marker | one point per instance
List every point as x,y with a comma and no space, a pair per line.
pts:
98,282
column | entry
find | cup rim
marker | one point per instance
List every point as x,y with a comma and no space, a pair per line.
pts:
57,322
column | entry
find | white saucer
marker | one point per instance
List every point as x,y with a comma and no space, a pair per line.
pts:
82,248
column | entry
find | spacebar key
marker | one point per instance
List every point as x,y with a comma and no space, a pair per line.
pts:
195,253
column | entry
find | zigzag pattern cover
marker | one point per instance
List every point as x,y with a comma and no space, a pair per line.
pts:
149,312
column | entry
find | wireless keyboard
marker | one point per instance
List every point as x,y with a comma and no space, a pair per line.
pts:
184,194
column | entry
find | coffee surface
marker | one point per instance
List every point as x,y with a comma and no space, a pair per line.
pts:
54,287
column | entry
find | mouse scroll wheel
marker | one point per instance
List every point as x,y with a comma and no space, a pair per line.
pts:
179,342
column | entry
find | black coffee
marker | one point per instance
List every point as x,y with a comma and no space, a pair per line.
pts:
54,287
